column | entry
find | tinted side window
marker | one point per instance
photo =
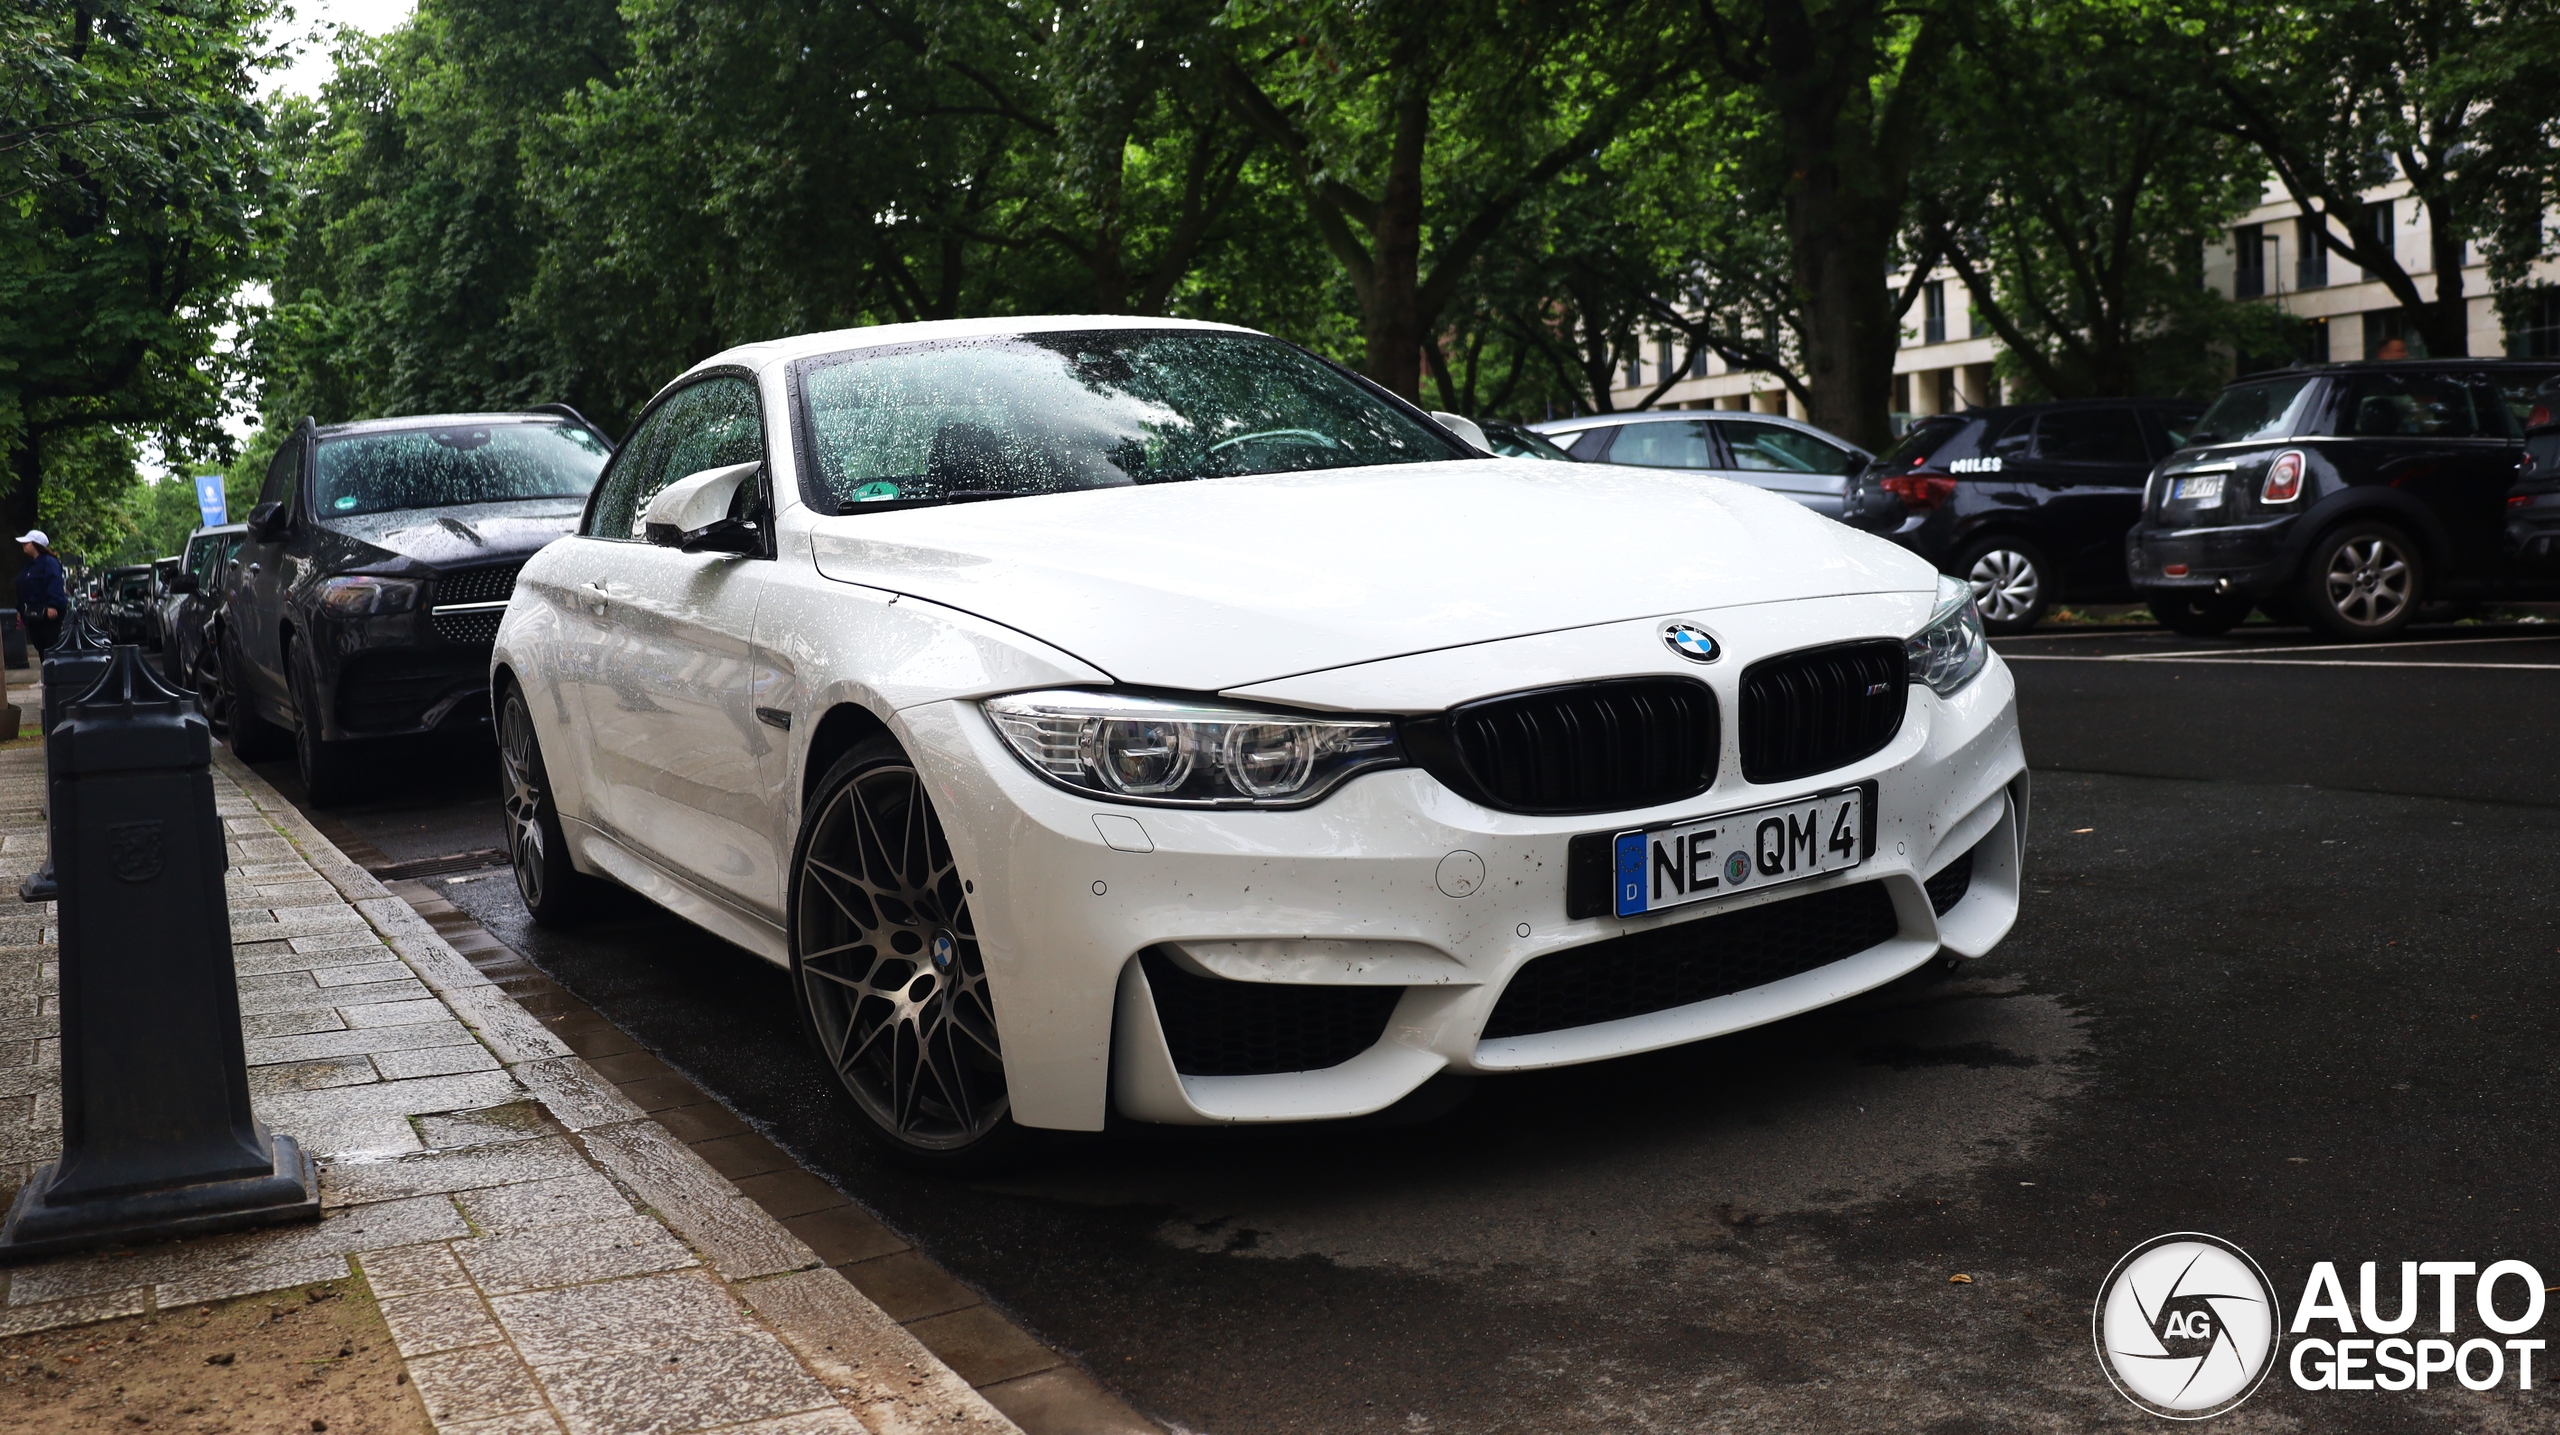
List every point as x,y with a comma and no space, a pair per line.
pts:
2506,402
1681,444
2405,405
2009,438
705,425
2091,436
1773,449
1586,444
282,473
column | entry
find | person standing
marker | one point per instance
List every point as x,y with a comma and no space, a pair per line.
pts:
41,599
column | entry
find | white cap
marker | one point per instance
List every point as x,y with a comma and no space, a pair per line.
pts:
34,536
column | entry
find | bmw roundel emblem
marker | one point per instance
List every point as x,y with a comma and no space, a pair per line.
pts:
1692,642
944,949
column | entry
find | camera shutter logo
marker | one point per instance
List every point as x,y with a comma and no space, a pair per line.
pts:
2186,1325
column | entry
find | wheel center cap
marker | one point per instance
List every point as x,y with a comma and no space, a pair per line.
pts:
944,949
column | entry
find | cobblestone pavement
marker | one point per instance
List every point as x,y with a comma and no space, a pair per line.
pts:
547,1257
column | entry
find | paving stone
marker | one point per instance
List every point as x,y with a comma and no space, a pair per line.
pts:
290,1023
409,1270
295,980
470,1169
737,1157
364,1041
336,942
388,1223
222,1284
631,1066
409,1098
571,1255
352,1135
710,1382
560,1201
527,1422
892,1382
706,1122
735,1234
576,1097
1066,1401
433,1321
595,1037
474,1384
29,1079
397,1013
434,1060
278,957
266,1080
507,1121
981,1346
508,1030
359,975
845,1233
307,995
652,1312
791,1193
908,1286
437,964
833,1421
79,1310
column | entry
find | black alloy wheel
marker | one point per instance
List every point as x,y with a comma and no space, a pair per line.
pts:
253,738
2362,582
891,986
554,891
2012,583
204,679
324,766
2199,615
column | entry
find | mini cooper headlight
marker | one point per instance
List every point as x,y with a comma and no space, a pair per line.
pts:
1951,649
1188,753
368,597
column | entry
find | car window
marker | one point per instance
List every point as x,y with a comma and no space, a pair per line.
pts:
1677,443
2269,409
1926,437
1512,441
2178,425
1771,448
2505,402
282,471
2091,436
1586,444
709,424
2405,405
461,463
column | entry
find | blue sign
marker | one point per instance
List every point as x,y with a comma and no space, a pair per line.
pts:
210,500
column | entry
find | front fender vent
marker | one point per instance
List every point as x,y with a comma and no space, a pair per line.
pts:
1216,1027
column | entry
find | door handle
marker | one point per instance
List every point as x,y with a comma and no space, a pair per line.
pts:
596,591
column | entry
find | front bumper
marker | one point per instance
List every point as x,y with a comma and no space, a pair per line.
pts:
1349,893
2253,559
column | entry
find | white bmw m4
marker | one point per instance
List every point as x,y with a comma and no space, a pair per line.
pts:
1124,715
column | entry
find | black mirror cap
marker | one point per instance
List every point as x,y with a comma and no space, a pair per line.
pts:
266,521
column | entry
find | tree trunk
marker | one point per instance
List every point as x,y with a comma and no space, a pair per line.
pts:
2446,323
1391,320
1840,244
18,507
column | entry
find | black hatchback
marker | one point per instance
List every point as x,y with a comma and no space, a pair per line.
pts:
2029,503
2344,496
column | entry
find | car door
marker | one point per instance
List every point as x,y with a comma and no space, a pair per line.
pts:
260,575
662,687
2085,473
1805,467
2422,432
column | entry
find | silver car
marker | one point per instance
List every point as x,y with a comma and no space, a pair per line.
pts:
1768,451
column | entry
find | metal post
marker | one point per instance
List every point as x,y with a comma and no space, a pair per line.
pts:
158,1139
71,667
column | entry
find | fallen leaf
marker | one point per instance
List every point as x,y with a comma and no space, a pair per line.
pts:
1959,1279
2077,831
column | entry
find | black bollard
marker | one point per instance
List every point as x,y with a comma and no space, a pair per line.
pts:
157,1136
72,666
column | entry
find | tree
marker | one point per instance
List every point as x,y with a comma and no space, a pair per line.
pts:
131,157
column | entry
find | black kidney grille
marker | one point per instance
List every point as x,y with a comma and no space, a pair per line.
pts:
1949,886
478,585
1222,1028
1595,747
1692,961
1821,709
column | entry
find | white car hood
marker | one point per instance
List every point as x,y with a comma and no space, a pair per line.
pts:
1219,583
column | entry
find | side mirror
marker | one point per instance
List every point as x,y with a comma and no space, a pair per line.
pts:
1464,428
266,521
1858,463
182,582
692,513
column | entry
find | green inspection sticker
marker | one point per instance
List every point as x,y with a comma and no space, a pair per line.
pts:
347,502
874,492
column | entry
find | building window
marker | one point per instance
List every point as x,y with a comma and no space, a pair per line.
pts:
1947,401
2248,261
1933,312
2540,336
1635,371
2311,264
2378,223
2315,342
2387,336
1663,362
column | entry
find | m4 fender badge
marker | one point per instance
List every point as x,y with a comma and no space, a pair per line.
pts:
1692,642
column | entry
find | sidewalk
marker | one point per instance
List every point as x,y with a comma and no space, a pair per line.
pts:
546,1257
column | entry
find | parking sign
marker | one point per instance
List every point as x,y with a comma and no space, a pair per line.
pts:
209,499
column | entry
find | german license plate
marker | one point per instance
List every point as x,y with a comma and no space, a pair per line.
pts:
2197,490
1709,857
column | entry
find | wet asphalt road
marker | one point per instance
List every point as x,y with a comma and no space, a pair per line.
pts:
2286,973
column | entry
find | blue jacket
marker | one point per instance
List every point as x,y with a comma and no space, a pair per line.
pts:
40,586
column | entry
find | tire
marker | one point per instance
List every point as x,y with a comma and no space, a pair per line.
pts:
253,738
2362,582
2012,583
886,969
213,699
2207,615
327,768
554,890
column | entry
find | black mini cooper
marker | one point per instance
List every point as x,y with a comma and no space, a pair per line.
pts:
2343,496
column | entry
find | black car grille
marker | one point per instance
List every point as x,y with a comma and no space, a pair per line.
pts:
1594,747
393,689
1820,709
474,629
478,585
1692,961
1224,1028
1949,886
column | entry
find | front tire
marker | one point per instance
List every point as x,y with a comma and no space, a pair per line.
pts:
2012,583
253,738
555,892
886,968
2208,615
2362,582
326,771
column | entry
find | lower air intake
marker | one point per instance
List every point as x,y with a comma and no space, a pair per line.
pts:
1217,1027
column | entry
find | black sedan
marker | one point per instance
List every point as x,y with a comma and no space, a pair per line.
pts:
2028,502
2345,495
2533,505
368,585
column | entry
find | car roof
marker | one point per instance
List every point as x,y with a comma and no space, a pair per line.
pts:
216,530
409,422
2358,366
766,353
1997,411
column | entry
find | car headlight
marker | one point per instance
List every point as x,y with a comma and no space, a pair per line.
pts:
1187,752
368,597
1951,649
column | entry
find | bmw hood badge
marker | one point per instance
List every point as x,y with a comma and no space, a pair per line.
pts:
1692,642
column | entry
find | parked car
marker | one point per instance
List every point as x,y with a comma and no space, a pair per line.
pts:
2533,504
2346,495
371,573
190,618
1767,451
1105,715
1512,440
2028,503
125,606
